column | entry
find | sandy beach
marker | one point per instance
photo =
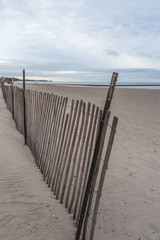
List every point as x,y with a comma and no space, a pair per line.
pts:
130,203
28,209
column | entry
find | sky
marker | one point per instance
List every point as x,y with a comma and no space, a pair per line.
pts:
79,38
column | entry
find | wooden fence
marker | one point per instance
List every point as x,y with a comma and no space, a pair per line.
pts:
62,139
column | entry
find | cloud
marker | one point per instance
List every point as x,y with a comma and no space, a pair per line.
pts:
43,35
111,53
4,60
149,55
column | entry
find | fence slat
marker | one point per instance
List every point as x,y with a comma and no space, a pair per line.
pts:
103,172
37,124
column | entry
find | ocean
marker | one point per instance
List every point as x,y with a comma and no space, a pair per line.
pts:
144,85
141,78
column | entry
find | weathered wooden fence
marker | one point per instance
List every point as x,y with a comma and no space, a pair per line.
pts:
62,138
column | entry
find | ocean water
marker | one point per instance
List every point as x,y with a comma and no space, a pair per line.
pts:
141,78
144,85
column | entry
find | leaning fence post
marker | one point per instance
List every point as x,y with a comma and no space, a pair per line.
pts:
12,100
95,155
102,177
24,107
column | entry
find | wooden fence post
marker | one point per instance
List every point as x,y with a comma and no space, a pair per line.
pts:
95,155
24,107
102,177
12,100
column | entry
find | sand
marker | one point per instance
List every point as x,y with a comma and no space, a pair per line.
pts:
130,203
28,210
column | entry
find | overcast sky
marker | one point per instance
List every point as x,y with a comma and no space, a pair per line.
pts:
53,36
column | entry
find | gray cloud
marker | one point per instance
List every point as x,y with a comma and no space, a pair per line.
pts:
111,53
149,55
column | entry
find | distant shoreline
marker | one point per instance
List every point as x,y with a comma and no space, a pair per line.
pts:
83,84
91,85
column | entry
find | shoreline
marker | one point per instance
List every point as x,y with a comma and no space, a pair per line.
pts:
88,85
